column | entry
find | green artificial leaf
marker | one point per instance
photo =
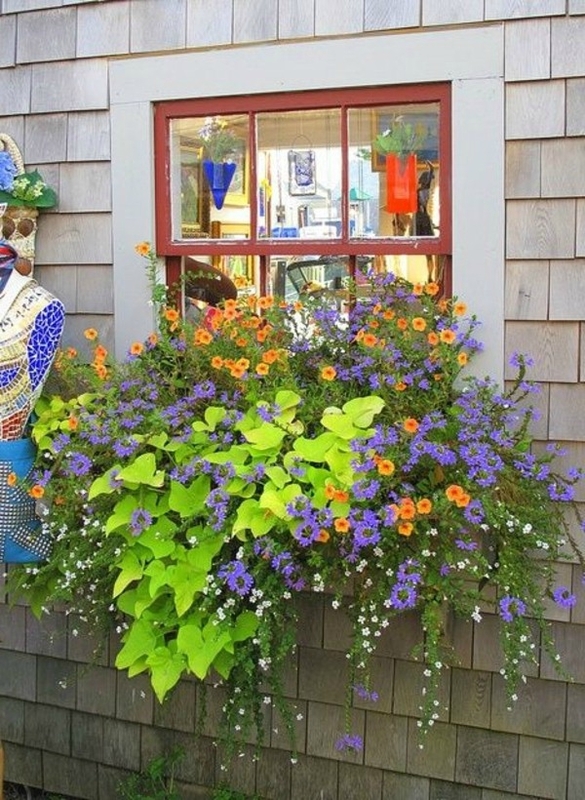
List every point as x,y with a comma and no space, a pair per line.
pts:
223,663
278,476
130,569
340,462
245,626
276,499
213,416
190,500
158,538
250,516
362,410
185,583
143,471
266,437
159,440
157,572
138,641
166,669
286,399
104,484
201,647
311,449
201,556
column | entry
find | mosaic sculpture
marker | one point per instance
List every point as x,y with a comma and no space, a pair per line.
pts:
31,324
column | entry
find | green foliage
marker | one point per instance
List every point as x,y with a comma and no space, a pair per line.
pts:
225,793
401,138
272,448
155,782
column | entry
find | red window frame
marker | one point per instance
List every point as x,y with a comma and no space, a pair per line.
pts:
343,99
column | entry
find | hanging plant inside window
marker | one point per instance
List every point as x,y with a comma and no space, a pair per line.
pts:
219,144
399,144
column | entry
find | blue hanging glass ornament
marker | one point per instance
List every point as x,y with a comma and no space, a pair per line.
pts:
219,175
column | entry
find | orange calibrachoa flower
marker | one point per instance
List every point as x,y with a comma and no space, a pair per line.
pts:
230,314
405,528
406,508
202,337
323,536
453,491
463,500
136,348
241,341
447,336
262,368
263,333
386,467
400,386
244,363
341,525
410,425
369,340
152,339
71,352
419,324
418,289
72,423
237,371
217,362
101,371
36,491
329,491
265,302
402,324
11,479
328,373
432,288
462,359
424,506
270,356
389,314
459,308
171,314
90,333
143,248
341,496
432,338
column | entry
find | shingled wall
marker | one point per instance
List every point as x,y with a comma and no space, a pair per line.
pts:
78,730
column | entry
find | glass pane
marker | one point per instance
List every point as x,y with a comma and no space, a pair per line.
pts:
299,174
209,164
394,171
297,278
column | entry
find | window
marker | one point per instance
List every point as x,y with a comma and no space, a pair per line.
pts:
319,186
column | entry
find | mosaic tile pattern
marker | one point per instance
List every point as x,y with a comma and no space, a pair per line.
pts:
29,335
30,331
22,538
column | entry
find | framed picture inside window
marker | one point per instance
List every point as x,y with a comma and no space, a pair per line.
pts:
194,193
301,172
235,266
238,193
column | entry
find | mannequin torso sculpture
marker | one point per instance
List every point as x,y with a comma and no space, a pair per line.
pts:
31,324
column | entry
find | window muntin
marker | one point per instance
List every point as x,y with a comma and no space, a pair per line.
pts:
308,183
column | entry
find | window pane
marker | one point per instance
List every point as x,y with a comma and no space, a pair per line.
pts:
299,174
209,165
394,171
294,278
